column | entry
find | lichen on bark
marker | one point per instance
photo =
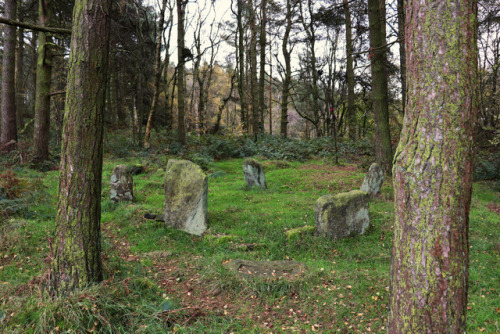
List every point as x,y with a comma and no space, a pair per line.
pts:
77,258
433,170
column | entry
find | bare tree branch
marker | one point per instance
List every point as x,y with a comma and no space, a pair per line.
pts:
30,26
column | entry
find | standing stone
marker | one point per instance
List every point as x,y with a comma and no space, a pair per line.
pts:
254,173
186,193
373,180
342,215
122,184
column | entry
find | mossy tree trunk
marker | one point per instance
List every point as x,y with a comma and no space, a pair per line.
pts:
77,244
380,95
41,133
433,169
8,136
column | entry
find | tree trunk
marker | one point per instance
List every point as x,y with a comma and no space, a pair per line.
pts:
253,69
262,74
378,60
31,76
433,170
270,89
156,92
241,67
402,52
310,30
8,137
138,109
181,88
77,241
43,79
288,71
20,77
118,94
351,110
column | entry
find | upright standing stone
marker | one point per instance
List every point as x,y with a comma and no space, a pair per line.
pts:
254,173
342,215
122,184
373,180
186,193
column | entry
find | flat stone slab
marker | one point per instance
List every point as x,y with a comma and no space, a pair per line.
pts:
268,270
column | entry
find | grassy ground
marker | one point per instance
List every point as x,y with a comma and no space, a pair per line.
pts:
159,279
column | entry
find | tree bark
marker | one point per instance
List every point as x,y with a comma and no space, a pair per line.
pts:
158,68
262,74
181,88
402,52
351,110
8,137
380,95
253,69
433,169
41,134
138,109
77,241
20,77
31,77
310,30
288,71
241,67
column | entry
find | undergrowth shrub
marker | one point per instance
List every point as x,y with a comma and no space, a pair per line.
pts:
205,149
17,195
10,185
487,166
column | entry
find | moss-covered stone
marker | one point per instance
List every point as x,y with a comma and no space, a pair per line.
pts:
219,239
254,173
186,192
294,233
342,215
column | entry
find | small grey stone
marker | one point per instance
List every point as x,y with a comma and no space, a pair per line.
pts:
373,180
254,173
122,184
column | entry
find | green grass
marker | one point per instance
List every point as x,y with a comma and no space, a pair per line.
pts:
147,265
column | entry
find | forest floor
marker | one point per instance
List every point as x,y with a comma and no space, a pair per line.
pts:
159,279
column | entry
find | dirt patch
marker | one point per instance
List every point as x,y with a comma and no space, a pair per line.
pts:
119,244
494,207
330,178
268,270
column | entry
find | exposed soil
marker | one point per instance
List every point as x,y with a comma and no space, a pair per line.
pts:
494,207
